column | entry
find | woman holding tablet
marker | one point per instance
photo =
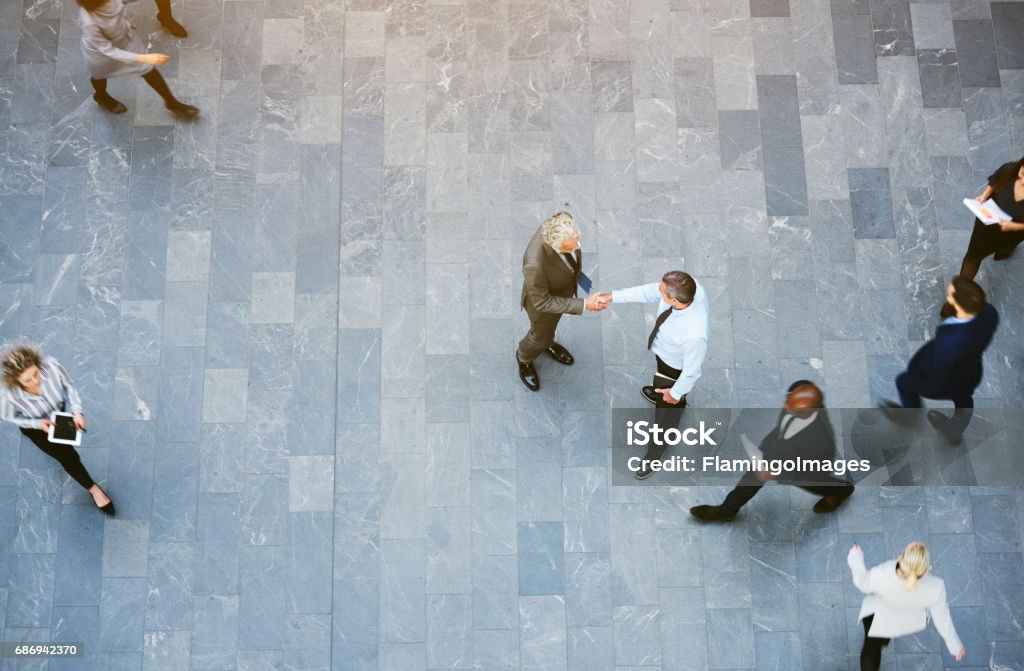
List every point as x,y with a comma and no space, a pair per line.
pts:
35,387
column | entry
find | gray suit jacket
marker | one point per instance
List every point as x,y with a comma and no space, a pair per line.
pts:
549,285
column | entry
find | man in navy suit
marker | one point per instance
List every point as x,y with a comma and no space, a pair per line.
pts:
949,366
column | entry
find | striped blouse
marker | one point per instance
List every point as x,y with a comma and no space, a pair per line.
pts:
56,394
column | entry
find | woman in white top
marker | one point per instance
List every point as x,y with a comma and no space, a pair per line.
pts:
36,386
900,595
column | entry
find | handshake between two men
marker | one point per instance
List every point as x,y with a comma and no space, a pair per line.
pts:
552,274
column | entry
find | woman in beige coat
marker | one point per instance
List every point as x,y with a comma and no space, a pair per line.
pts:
900,595
112,48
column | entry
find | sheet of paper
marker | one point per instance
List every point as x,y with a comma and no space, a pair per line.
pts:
988,212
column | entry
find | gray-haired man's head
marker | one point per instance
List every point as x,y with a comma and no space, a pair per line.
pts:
560,233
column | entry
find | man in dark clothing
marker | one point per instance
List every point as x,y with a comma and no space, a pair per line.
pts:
802,431
949,366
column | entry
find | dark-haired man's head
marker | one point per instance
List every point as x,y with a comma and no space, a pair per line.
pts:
677,288
91,5
966,294
802,398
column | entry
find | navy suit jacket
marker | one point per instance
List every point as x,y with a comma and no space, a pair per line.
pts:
950,363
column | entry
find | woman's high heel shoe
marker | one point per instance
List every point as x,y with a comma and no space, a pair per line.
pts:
107,509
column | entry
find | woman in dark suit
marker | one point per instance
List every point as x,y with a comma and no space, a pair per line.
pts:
1006,188
36,386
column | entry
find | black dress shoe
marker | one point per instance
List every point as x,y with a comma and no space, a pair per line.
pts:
528,374
643,473
171,26
939,421
561,355
651,395
182,110
711,514
111,105
828,504
109,509
896,413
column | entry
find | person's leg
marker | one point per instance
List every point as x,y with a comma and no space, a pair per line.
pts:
909,396
66,455
104,99
748,487
159,84
969,267
540,337
957,424
832,490
871,651
163,14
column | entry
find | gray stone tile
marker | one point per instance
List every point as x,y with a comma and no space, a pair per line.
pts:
740,140
871,200
940,77
976,52
854,49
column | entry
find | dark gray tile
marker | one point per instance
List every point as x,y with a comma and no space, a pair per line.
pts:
892,32
779,110
762,8
1008,22
976,51
855,49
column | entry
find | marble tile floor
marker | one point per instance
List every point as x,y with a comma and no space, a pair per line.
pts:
292,324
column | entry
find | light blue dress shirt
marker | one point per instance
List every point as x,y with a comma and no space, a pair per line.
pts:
682,340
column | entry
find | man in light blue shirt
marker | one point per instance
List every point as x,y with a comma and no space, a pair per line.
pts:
680,335
679,341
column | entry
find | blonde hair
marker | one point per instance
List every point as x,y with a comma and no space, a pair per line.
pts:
557,228
914,563
17,360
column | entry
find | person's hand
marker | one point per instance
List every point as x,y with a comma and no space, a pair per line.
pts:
80,421
960,655
1006,226
666,395
980,198
764,476
152,59
45,424
856,549
597,302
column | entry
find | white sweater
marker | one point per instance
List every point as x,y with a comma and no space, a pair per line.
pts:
899,611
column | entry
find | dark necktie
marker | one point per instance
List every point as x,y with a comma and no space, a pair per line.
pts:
657,325
572,262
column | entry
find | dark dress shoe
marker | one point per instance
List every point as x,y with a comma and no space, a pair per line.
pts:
651,395
561,355
939,421
182,110
111,105
828,504
896,413
528,374
643,473
171,26
711,514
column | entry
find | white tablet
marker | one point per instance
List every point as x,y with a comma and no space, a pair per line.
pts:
62,429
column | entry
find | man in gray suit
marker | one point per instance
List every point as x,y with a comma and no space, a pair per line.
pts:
552,267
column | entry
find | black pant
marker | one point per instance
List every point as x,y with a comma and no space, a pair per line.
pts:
666,415
910,397
749,485
871,651
153,78
65,454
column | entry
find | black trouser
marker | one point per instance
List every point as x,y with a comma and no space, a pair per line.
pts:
871,651
65,454
910,397
749,485
666,415
153,78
